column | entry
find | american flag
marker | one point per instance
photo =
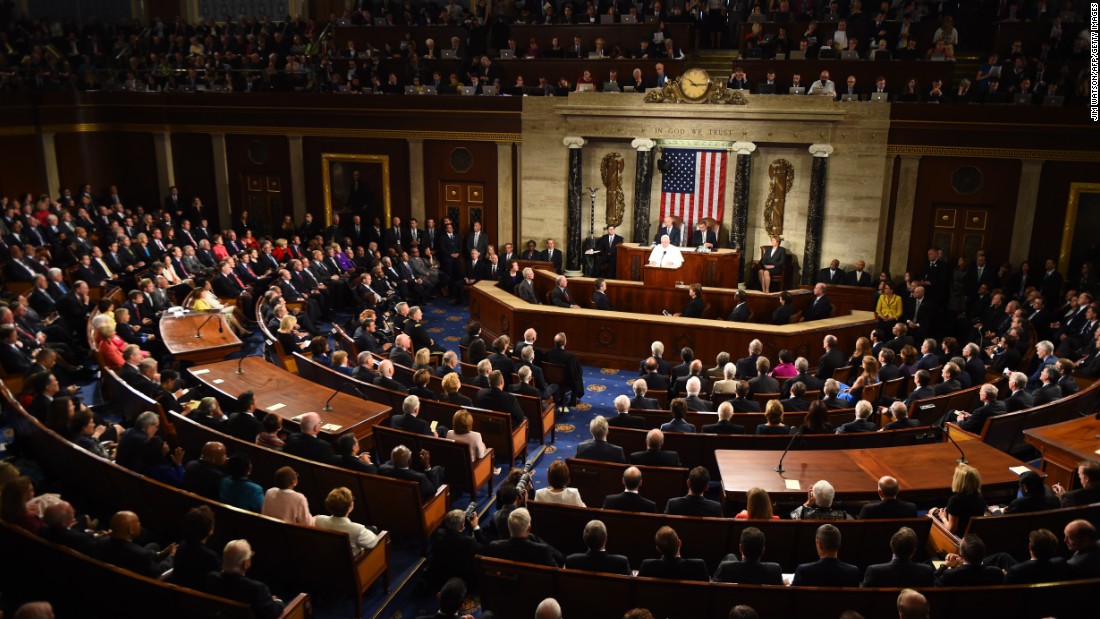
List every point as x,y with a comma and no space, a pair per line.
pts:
694,185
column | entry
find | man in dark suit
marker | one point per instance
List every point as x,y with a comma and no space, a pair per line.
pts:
519,546
476,239
559,295
746,366
409,420
900,413
950,383
694,503
573,388
232,583
654,455
921,390
399,467
599,296
1044,564
552,255
974,421
919,314
809,381
641,387
741,403
832,274
831,360
695,370
703,237
862,422
965,569
974,365
1019,398
668,229
724,425
623,418
1080,536
901,571
684,367
831,399
305,443
597,448
671,564
889,506
385,378
1049,391
495,398
607,245
119,548
654,379
795,402
828,570
450,253
630,500
204,475
1088,473
597,559
750,570
395,237
901,338
1050,285
454,546
858,277
820,308
740,311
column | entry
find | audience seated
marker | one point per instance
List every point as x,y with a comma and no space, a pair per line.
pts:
597,448
597,559
654,454
630,499
694,503
828,570
901,571
671,564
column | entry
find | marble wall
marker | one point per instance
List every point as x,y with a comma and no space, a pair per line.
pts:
780,126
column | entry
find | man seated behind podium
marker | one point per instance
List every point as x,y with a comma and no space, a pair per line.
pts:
669,229
704,236
666,254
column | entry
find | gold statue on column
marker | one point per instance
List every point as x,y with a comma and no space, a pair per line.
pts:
611,172
781,179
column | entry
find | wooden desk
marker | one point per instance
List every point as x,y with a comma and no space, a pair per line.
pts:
179,337
924,471
274,386
1063,445
717,269
620,339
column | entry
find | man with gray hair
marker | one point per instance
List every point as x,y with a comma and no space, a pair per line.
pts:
819,505
597,559
828,570
862,422
900,412
449,364
519,547
526,288
623,418
1049,391
639,400
974,421
409,419
233,584
385,378
484,367
549,609
718,371
597,448
1019,398
724,425
802,365
656,351
630,499
128,453
454,546
306,444
528,358
399,467
693,401
912,604
560,297
1044,350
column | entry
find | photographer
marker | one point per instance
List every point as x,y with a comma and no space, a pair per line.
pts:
454,546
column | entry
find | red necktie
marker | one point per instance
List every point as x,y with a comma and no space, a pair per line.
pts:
239,282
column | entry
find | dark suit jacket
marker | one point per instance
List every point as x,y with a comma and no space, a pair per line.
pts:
919,393
977,418
601,301
899,573
655,457
562,298
677,568
694,309
777,258
1035,571
763,384
695,403
819,308
600,450
598,561
626,420
812,383
859,425
724,426
1045,394
502,401
411,423
828,363
131,556
794,404
968,575
746,366
692,505
245,590
655,381
858,278
629,502
641,402
309,447
697,239
740,313
947,386
523,550
673,235
837,277
889,508
1018,401
429,482
556,259
744,405
749,573
826,573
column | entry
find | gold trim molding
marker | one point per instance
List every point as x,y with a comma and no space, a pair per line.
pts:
326,180
993,153
335,132
1073,203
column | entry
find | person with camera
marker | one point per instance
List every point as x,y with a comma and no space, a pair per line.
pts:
454,546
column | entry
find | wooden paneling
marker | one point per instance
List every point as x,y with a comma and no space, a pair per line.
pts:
110,158
396,150
439,171
997,192
1050,210
241,150
193,164
22,171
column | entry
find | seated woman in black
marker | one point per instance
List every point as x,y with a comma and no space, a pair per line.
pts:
782,314
773,412
965,503
694,308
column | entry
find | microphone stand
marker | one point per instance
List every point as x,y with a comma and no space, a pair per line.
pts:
240,370
940,426
198,332
328,402
779,467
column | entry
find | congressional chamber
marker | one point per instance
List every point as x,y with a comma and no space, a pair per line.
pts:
610,310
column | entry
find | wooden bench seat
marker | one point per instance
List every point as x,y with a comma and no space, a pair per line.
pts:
654,418
288,556
462,474
789,542
512,589
86,580
387,503
595,480
930,410
698,449
1008,533
1006,431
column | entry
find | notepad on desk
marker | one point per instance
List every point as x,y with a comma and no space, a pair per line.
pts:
200,372
1019,470
331,427
218,381
793,484
277,406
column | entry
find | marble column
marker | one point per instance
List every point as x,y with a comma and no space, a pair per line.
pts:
740,225
643,179
575,192
49,164
222,188
903,211
1027,197
166,172
297,176
417,204
506,208
815,214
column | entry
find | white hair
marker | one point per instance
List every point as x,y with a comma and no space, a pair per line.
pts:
622,403
823,494
693,386
236,553
863,409
548,609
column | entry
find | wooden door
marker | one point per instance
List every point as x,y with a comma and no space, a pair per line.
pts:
962,231
264,200
464,203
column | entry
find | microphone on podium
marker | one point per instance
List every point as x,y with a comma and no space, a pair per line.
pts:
779,467
198,332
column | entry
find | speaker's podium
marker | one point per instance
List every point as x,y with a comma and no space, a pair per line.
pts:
715,269
664,277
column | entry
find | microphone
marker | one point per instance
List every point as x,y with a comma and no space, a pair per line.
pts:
198,332
779,467
940,426
662,261
240,370
328,406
